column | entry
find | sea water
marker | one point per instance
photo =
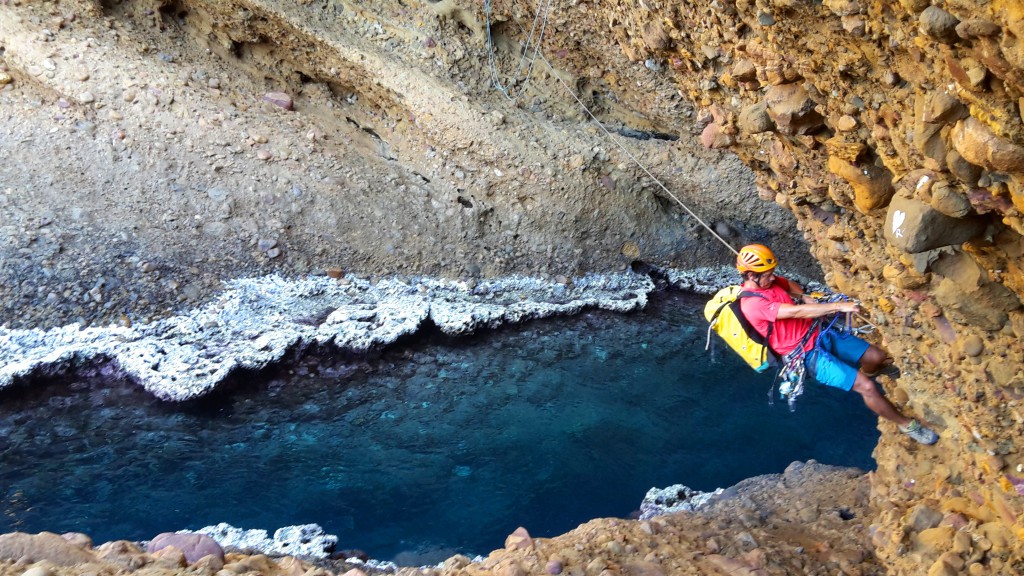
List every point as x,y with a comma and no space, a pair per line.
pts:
431,447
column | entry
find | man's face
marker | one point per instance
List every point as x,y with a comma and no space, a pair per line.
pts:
765,279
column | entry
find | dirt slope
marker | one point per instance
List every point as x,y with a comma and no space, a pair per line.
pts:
143,161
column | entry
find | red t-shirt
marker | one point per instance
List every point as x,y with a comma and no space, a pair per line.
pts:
760,312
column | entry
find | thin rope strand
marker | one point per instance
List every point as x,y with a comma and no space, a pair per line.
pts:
537,53
634,158
495,77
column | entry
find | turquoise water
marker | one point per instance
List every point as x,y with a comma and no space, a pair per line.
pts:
434,446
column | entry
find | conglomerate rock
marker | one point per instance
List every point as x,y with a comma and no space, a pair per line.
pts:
840,108
919,149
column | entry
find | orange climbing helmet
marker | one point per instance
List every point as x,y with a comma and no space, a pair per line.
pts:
755,258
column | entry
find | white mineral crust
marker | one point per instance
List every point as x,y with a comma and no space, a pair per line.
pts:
254,322
307,540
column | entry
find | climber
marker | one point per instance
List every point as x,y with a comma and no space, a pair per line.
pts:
837,359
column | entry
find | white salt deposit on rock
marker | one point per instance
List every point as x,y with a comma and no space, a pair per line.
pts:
675,498
307,540
256,321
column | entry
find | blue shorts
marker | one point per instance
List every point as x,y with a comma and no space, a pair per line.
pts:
835,359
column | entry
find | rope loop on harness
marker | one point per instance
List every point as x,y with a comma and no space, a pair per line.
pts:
794,367
867,327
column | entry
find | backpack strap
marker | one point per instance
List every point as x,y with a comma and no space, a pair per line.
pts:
771,325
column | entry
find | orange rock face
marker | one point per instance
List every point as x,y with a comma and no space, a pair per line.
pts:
910,87
862,117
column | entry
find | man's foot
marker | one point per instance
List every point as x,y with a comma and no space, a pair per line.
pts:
920,433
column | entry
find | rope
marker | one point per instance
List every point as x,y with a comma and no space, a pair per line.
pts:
635,160
526,47
868,328
536,54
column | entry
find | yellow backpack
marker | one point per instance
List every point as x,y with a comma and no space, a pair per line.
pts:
726,319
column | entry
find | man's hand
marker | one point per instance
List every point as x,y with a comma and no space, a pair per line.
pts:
848,307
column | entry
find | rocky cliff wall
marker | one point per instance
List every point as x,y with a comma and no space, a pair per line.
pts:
892,131
303,137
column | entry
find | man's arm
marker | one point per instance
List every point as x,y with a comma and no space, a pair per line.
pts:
795,291
815,310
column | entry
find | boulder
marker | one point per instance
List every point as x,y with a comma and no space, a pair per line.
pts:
792,109
950,202
930,143
943,108
78,539
976,28
938,24
781,159
846,123
519,540
872,184
119,551
914,6
43,546
968,73
754,119
279,99
744,71
257,563
977,144
913,226
936,539
642,568
714,136
967,294
855,25
922,517
984,201
843,7
194,546
964,171
656,37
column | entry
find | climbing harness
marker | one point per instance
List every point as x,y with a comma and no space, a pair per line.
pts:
526,48
793,372
794,365
845,321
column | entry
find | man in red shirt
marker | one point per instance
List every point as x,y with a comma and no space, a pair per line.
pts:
841,360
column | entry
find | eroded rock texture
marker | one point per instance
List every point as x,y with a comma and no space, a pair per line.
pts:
892,130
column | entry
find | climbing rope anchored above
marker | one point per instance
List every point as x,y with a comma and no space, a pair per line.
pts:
495,79
536,45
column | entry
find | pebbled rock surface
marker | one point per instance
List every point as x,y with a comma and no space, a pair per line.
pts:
221,140
397,156
895,137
